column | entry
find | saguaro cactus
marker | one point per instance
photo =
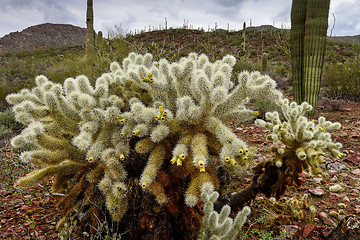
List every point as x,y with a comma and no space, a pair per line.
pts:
90,36
309,21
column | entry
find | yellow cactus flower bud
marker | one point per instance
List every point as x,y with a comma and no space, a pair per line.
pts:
162,118
323,129
144,79
122,134
119,116
245,158
227,159
340,155
122,157
255,113
122,121
157,117
173,160
313,120
150,75
182,156
164,113
91,159
241,152
161,109
135,132
233,162
179,162
144,185
246,150
201,165
151,80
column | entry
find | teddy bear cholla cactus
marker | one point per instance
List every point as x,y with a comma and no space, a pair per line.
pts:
143,119
192,100
299,144
219,225
307,139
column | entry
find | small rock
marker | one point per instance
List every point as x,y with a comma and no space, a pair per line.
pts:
336,166
336,188
308,229
317,180
317,191
303,175
355,190
24,208
334,196
353,159
346,199
316,238
290,230
325,233
333,179
356,171
323,217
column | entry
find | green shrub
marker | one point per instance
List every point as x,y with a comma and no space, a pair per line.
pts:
7,120
342,80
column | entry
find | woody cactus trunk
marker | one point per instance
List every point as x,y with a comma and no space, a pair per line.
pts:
90,34
309,22
145,145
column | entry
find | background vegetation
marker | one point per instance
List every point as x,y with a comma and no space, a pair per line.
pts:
264,49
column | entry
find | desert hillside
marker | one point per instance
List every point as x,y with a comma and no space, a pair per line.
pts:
43,36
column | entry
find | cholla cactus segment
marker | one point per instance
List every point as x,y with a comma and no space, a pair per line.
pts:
308,140
173,115
220,225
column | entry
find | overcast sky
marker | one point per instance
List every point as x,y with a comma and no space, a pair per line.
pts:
16,15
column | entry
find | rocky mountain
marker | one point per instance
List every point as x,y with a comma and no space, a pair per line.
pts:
43,36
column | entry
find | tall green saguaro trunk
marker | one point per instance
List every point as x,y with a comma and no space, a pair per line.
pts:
309,22
90,36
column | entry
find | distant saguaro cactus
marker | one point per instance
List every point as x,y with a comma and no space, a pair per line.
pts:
100,40
90,36
309,21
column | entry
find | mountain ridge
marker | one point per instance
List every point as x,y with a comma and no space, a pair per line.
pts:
51,35
46,35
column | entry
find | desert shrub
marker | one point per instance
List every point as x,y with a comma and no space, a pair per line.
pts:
7,120
342,80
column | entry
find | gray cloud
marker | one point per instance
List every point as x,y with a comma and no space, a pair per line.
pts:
15,15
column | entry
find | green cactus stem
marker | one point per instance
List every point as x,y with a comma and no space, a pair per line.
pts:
309,21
